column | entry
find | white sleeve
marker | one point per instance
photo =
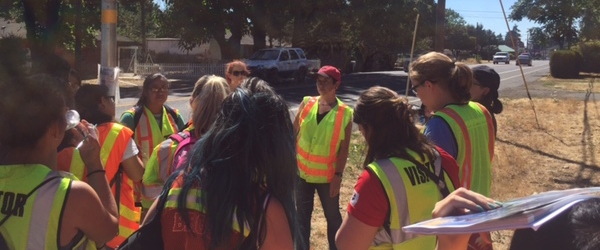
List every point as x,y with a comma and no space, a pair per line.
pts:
130,151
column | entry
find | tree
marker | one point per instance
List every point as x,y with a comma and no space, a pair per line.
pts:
539,39
558,18
138,20
377,30
590,21
52,24
515,32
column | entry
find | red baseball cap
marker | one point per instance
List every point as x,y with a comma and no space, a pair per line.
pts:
330,71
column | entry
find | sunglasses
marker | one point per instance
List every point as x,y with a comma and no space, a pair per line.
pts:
416,86
238,73
161,89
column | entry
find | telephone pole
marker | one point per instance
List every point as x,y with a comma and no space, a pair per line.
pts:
108,54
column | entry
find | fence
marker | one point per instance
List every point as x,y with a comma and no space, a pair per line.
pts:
182,70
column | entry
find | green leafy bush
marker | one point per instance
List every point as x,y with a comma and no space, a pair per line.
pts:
590,53
565,64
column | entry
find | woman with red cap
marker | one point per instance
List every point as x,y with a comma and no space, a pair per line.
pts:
323,125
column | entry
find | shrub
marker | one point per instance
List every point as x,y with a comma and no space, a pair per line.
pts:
590,53
565,64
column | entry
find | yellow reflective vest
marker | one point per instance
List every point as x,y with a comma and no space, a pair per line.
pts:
412,196
473,130
318,144
35,224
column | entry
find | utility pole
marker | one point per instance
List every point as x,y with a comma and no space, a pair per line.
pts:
440,26
108,59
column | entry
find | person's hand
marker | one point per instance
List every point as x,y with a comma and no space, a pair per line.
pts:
463,201
89,148
334,186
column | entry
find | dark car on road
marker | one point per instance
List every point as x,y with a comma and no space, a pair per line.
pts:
525,59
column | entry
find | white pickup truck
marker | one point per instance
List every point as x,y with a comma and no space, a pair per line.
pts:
276,63
502,57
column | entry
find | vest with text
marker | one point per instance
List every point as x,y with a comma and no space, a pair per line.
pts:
318,144
412,196
36,223
174,231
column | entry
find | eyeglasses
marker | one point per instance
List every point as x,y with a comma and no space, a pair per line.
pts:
161,89
238,73
416,86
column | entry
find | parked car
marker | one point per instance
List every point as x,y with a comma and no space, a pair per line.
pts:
524,58
501,57
276,63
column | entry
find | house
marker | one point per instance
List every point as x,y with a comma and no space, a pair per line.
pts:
210,51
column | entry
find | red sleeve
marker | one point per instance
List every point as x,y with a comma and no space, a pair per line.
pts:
450,166
369,202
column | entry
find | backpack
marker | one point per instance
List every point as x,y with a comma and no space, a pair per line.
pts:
186,141
137,114
149,235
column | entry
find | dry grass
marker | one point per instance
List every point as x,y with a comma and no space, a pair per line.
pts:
560,154
585,83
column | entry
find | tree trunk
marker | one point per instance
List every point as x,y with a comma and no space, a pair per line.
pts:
440,23
143,24
259,34
78,34
41,35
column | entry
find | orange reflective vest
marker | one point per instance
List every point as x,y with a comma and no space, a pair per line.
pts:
147,132
473,131
114,139
318,144
174,231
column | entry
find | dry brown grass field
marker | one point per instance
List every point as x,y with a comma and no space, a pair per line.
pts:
560,151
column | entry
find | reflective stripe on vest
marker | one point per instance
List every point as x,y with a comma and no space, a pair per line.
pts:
148,134
194,202
473,131
69,160
158,169
411,196
317,165
114,139
39,224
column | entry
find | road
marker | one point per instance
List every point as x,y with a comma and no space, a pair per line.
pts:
352,86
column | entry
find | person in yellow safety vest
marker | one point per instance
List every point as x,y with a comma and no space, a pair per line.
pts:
43,208
323,125
207,96
118,151
238,190
463,128
405,175
151,120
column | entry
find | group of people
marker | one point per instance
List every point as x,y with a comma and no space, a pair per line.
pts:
240,174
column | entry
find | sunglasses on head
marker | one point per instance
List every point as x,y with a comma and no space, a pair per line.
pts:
238,73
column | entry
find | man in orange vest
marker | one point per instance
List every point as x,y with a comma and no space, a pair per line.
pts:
323,126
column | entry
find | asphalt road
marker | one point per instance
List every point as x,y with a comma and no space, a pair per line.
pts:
352,86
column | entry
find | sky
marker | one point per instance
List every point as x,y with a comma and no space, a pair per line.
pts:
489,14
486,12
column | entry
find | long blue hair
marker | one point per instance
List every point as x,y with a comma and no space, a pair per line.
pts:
248,153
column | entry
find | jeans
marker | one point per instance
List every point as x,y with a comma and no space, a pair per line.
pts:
331,209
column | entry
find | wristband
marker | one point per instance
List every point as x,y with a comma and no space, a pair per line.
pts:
95,171
339,174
